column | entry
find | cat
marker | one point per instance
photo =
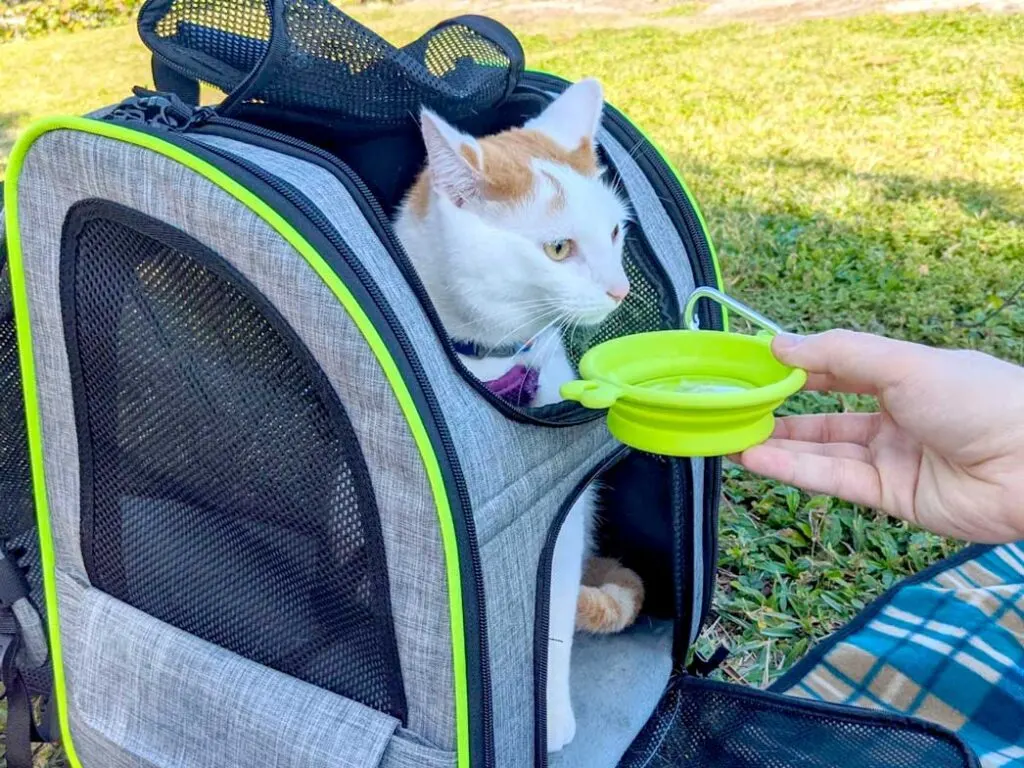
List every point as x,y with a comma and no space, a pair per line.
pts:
516,236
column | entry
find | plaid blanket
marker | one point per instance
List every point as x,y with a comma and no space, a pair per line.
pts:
946,646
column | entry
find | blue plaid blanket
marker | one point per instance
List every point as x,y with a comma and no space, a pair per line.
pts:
946,646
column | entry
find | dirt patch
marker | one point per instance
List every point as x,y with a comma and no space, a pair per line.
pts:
683,14
781,11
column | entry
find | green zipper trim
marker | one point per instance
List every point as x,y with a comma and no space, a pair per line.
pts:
347,300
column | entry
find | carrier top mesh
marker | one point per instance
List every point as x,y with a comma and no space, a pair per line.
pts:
307,55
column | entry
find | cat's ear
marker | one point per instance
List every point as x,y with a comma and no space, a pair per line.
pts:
574,117
454,158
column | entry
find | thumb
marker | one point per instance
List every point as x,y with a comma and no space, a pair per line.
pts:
846,361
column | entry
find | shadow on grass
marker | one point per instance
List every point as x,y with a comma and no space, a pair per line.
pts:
916,276
998,203
9,122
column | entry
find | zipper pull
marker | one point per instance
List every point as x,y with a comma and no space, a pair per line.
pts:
161,110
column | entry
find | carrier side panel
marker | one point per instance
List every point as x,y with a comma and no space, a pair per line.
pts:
410,523
106,640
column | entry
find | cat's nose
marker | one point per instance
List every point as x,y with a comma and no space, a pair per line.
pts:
618,292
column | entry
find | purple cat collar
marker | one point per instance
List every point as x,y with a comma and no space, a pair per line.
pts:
517,387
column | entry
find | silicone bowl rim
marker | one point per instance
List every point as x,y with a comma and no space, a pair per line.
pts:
776,391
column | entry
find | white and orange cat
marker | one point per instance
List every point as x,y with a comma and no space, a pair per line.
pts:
515,237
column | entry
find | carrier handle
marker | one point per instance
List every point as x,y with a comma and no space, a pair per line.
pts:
692,322
180,69
166,79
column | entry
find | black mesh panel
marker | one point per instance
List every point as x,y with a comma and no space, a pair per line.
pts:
16,509
713,725
645,308
223,488
319,60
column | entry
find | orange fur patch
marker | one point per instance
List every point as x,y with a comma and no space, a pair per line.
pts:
603,610
559,200
419,194
509,156
508,167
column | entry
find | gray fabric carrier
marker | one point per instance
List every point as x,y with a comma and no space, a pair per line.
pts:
146,690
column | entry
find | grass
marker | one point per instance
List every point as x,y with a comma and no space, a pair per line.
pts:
865,173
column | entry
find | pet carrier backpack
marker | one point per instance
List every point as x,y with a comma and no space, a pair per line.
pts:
279,523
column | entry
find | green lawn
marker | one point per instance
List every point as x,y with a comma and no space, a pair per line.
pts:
865,173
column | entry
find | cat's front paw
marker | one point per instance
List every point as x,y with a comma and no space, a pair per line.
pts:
610,598
561,726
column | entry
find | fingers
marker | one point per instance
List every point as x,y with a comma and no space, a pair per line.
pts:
846,361
857,428
851,479
834,450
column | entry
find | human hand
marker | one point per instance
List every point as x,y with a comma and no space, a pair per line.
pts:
945,451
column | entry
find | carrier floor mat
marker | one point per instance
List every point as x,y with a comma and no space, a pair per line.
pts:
946,646
709,724
616,683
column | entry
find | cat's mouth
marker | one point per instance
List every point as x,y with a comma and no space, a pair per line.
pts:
593,317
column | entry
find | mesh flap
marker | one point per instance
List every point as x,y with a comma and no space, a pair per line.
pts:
705,723
307,55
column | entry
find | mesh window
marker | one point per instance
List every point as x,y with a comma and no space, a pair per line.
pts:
645,308
223,490
324,61
16,508
713,725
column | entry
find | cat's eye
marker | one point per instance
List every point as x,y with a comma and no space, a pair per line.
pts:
558,250
615,233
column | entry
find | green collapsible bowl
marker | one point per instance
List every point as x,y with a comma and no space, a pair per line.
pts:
686,392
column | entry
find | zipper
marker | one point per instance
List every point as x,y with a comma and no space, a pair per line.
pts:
320,223
542,621
712,492
683,550
682,214
215,125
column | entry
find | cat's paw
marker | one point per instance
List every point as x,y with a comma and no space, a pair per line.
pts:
610,598
561,726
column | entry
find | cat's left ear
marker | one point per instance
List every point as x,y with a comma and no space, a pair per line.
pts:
574,117
454,158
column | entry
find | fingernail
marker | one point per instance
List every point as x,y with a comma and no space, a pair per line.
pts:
786,341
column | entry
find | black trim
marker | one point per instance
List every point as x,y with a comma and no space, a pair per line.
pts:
800,670
712,501
683,546
87,211
542,607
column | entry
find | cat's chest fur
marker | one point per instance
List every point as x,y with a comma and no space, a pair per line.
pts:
546,354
